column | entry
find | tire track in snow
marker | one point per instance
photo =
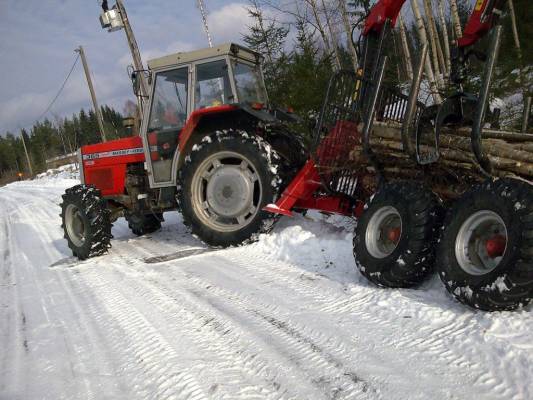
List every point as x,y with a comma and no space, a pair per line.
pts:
441,341
220,337
309,350
147,358
11,320
34,274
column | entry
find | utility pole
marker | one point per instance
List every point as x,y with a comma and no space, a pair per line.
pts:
26,152
113,22
97,110
137,60
203,11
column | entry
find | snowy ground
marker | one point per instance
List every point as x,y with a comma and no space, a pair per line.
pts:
286,317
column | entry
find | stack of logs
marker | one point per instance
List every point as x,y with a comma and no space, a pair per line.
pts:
510,154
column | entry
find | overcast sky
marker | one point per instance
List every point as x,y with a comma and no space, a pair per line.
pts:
38,38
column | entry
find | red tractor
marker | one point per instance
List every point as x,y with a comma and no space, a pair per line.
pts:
209,146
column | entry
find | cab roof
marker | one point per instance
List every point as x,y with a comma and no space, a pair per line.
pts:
202,54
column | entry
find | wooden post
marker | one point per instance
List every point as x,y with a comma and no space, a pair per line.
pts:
97,110
26,152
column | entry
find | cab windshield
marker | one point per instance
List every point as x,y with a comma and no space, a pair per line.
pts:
249,83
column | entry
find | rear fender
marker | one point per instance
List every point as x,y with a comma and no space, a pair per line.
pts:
205,121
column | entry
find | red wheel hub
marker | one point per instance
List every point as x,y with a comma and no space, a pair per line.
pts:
496,246
394,234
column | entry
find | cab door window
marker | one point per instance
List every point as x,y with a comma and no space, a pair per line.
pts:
212,85
167,117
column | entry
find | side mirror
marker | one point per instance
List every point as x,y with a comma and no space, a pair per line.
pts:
136,82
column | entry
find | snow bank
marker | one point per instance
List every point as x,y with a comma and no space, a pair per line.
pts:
318,243
62,177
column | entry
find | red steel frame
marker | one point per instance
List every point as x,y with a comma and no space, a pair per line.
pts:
301,192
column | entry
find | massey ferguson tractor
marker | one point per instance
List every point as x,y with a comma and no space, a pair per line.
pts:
209,145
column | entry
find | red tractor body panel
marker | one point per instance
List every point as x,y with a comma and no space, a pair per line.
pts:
104,164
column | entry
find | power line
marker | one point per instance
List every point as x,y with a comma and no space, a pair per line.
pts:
60,89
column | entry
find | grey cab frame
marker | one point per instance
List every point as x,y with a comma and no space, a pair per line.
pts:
191,101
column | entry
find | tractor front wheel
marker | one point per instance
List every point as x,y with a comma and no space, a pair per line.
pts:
225,182
485,256
86,221
394,239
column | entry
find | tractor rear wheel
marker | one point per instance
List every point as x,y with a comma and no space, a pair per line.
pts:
142,224
86,221
225,182
394,238
485,256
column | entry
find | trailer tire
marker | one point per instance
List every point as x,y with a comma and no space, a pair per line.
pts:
225,182
394,239
142,224
472,269
86,221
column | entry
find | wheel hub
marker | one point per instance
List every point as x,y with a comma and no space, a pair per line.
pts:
75,225
481,243
229,191
383,232
226,191
496,246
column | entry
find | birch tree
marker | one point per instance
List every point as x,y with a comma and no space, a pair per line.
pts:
348,31
333,36
421,30
433,42
405,47
319,25
456,22
444,28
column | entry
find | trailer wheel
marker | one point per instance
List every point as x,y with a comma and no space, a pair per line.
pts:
394,238
225,182
86,221
142,224
485,257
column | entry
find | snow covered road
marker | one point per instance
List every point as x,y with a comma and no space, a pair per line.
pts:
286,317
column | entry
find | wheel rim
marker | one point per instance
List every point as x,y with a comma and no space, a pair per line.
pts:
75,225
226,191
384,232
481,243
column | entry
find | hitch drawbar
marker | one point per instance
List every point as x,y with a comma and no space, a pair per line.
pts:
301,194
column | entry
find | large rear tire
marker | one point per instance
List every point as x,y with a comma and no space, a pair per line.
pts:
394,238
485,257
86,221
225,182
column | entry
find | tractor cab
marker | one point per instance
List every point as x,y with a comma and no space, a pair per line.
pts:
197,82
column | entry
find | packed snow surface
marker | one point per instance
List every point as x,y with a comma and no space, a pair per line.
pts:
287,317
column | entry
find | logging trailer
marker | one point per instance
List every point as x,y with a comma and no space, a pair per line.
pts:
212,147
